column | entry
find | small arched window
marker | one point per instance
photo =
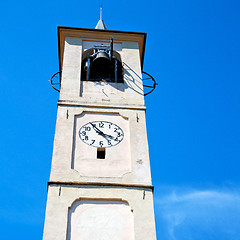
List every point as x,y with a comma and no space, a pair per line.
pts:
100,64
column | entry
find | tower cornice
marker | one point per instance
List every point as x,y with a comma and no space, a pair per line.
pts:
100,105
102,184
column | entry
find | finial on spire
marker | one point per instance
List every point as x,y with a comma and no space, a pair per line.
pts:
101,24
101,12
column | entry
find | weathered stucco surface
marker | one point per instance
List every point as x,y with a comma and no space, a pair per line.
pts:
111,220
137,157
130,93
116,163
117,187
61,199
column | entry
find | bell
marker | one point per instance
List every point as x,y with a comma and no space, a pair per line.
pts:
101,65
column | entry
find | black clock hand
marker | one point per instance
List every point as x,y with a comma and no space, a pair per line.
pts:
101,133
97,130
108,136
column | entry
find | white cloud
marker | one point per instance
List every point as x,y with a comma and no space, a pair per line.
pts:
193,215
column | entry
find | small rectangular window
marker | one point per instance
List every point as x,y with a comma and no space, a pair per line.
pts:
101,153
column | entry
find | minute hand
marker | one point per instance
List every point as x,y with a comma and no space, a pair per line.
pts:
97,130
100,132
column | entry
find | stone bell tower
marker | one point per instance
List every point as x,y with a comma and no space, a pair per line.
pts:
100,184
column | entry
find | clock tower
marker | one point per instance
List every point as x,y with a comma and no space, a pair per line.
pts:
100,184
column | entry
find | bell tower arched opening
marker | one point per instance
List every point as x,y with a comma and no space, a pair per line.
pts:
101,63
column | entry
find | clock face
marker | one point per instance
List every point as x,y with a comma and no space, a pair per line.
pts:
101,134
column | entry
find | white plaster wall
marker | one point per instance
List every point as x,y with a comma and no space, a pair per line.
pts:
132,73
104,92
118,158
61,200
124,99
91,44
100,220
138,154
72,89
71,72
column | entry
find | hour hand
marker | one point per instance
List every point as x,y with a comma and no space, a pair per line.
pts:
108,136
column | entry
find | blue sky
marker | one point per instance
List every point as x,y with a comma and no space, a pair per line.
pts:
198,214
193,116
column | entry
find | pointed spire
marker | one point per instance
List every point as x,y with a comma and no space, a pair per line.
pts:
101,24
